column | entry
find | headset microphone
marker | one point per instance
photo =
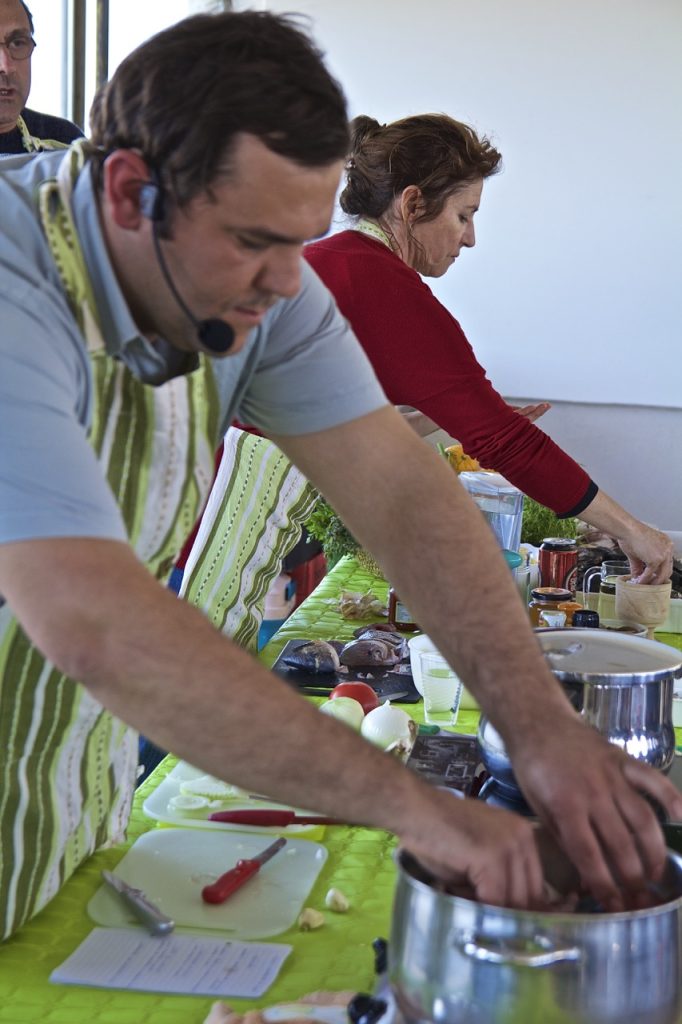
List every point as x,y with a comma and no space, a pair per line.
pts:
213,335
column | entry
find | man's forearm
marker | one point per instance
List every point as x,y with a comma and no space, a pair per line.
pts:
159,665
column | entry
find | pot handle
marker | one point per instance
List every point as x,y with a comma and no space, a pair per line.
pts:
495,951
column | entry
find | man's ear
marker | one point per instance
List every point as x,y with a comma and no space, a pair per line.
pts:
125,173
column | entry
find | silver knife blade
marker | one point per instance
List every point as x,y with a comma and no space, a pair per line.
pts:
270,851
154,919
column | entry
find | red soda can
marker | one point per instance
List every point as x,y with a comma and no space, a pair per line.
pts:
558,563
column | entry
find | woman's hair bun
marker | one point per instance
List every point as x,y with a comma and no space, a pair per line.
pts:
362,128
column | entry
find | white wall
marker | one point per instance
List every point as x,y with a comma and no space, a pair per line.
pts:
572,292
576,277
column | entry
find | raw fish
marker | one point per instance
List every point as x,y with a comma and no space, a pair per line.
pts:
313,656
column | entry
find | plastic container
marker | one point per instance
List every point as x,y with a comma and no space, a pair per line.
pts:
280,602
500,502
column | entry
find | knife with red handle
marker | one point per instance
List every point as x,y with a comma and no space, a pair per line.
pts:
262,816
235,878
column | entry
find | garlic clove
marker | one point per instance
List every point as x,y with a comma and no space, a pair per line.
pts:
337,901
309,919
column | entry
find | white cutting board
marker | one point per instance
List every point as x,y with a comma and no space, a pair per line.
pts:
172,865
157,806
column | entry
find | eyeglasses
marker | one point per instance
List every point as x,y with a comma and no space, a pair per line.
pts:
19,47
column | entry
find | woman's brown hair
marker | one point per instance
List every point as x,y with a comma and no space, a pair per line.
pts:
432,151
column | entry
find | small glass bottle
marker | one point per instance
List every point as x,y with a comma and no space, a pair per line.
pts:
399,614
546,599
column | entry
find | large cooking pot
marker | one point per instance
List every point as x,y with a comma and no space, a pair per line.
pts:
622,685
453,960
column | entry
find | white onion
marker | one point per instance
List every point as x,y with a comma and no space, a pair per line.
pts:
386,725
346,709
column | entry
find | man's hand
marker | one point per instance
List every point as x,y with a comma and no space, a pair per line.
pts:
491,851
589,795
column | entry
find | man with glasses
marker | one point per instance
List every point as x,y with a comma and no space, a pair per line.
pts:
23,130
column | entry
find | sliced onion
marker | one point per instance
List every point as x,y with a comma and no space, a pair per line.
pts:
190,805
385,725
346,709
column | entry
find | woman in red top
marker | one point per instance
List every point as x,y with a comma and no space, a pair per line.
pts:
414,187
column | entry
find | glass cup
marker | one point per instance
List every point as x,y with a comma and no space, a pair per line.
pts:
442,689
607,573
522,577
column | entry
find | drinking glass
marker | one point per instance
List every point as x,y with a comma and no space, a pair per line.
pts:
607,573
442,690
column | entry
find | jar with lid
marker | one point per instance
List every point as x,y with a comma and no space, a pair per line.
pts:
399,614
558,563
570,608
546,599
586,618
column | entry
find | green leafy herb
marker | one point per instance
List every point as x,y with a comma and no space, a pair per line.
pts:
540,522
336,539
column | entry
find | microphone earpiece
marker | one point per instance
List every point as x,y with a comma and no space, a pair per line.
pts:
214,335
151,200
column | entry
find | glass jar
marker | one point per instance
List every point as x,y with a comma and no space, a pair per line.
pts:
546,599
399,614
570,607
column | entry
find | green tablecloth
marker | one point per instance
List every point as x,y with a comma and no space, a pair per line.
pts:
338,956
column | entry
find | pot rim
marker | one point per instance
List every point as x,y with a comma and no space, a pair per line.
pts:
612,678
559,917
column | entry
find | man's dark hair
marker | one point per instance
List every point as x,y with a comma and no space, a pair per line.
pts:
181,98
28,15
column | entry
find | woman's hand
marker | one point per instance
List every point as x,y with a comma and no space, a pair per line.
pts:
650,553
532,412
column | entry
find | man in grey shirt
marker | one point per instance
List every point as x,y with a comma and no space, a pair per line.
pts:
152,286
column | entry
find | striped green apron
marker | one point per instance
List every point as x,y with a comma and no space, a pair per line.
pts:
68,766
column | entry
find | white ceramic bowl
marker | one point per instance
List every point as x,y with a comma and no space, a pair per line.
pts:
419,644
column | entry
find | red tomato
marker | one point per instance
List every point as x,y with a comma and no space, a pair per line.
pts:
361,692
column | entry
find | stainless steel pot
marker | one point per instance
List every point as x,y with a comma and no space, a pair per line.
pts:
621,684
455,961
